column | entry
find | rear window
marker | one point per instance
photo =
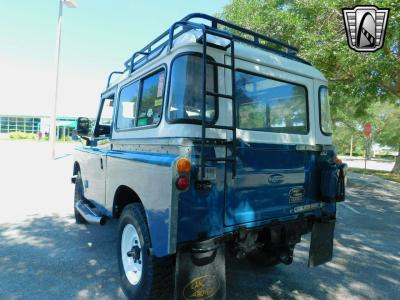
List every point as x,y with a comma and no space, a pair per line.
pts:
325,111
270,105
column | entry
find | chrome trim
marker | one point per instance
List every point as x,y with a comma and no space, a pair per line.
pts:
88,214
308,148
307,207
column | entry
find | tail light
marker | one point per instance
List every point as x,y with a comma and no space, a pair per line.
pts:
183,165
182,182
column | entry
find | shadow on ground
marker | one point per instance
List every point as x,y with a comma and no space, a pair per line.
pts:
53,258
50,257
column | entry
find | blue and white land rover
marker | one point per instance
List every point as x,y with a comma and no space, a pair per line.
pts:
213,140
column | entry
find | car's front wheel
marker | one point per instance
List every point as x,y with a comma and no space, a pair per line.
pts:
143,276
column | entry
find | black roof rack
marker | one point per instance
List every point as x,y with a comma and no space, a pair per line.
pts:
154,48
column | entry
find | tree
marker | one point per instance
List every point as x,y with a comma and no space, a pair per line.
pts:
386,120
318,28
356,80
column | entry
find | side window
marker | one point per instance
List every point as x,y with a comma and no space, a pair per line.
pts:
271,105
128,98
325,112
103,127
107,112
186,94
150,104
140,103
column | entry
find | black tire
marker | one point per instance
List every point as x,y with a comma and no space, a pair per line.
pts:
157,280
78,196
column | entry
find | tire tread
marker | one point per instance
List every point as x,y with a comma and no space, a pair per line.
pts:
162,272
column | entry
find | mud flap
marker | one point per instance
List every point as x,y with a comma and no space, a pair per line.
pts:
201,273
321,246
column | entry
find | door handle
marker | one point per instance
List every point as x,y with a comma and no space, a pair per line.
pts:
101,163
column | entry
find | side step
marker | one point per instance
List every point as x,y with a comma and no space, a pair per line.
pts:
87,212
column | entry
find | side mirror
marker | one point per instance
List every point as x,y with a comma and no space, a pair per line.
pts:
83,126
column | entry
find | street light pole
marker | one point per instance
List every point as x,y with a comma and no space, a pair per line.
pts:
53,127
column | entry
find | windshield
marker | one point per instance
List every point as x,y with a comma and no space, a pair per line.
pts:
186,95
325,112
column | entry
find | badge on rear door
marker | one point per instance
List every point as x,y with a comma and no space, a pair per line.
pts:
275,179
296,194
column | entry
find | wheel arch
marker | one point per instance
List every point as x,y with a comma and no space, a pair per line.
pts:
156,221
123,196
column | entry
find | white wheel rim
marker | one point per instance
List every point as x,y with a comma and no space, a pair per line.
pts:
132,267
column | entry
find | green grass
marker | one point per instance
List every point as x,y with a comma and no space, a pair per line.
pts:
18,135
383,174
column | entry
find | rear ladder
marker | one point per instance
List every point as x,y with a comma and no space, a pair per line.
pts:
204,125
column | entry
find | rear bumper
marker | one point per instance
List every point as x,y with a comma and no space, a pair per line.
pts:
276,240
297,225
314,211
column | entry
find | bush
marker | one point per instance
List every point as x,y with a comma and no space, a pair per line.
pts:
66,138
386,156
18,135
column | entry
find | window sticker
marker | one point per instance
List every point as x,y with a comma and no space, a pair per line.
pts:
156,119
160,85
128,110
149,113
142,122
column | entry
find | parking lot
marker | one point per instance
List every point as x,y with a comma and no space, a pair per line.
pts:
45,255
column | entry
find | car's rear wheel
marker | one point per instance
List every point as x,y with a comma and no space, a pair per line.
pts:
77,197
143,276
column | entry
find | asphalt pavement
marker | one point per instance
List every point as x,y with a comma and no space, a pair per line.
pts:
371,164
45,255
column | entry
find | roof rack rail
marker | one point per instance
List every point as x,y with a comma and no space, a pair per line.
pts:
111,75
257,38
154,48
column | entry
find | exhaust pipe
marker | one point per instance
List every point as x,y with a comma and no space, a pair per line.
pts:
88,214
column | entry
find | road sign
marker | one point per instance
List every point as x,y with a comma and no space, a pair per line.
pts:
367,129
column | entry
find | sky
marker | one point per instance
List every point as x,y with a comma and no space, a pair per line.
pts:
97,38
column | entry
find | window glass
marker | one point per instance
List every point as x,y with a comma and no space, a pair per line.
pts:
150,105
4,121
127,106
186,94
107,112
270,105
325,112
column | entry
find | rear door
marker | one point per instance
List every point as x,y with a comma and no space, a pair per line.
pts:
275,119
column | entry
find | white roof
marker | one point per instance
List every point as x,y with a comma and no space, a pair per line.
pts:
242,51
